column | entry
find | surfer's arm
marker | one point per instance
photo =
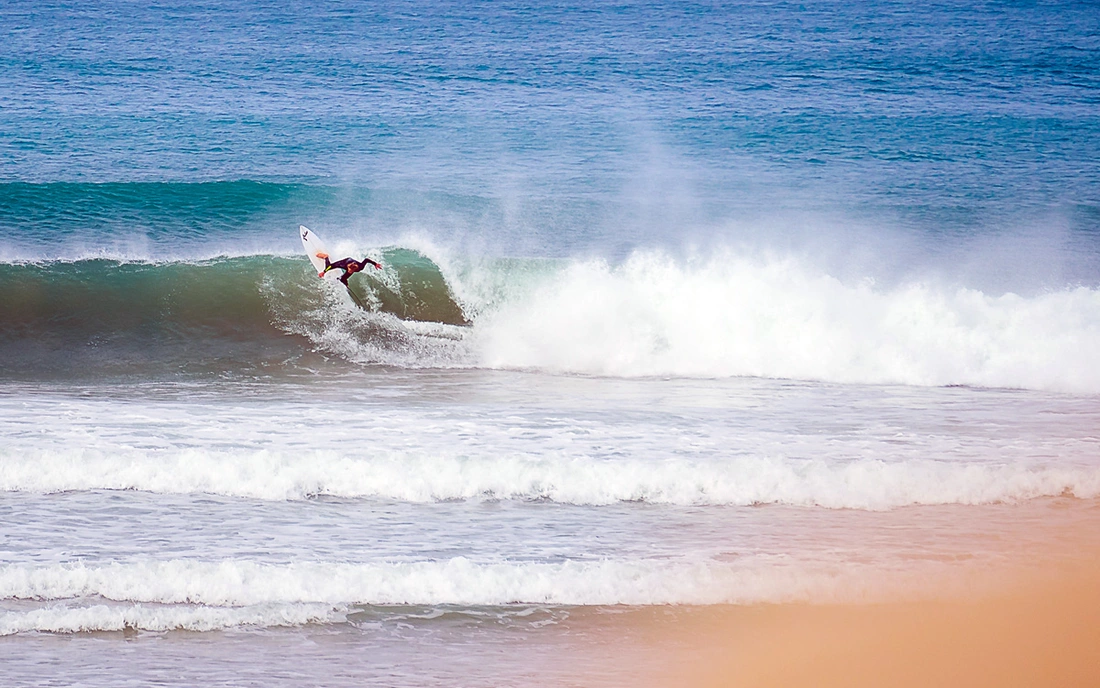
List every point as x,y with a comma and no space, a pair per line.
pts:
377,266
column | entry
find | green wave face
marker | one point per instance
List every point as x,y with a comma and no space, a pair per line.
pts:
221,314
411,287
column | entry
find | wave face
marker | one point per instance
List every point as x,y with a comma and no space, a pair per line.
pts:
651,315
106,316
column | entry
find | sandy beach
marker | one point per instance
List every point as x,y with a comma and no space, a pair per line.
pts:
1021,629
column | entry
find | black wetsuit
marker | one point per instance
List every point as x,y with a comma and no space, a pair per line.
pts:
350,266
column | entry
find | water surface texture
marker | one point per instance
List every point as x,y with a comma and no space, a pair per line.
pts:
682,305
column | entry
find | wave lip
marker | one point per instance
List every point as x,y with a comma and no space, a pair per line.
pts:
870,484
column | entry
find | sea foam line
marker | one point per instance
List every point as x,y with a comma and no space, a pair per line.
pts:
246,585
736,480
66,618
735,315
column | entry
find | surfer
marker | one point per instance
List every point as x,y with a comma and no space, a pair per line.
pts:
350,266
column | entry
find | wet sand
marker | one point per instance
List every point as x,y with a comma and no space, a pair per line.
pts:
1015,630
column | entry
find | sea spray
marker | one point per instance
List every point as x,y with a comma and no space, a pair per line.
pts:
729,315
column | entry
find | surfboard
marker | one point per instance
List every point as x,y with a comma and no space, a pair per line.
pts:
314,247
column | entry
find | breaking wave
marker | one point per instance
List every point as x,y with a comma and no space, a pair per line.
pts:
737,480
651,315
201,596
737,316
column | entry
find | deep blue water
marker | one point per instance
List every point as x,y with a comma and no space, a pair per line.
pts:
641,122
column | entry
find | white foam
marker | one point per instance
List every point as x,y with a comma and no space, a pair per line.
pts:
734,315
257,592
70,618
413,477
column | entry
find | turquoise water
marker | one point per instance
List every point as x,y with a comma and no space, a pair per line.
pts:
681,305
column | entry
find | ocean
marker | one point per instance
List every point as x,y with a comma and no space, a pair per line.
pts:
683,307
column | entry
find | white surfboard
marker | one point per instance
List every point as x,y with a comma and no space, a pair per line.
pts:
313,247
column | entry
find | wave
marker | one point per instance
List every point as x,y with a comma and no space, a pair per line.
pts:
196,595
104,617
69,616
724,315
67,318
733,315
738,481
